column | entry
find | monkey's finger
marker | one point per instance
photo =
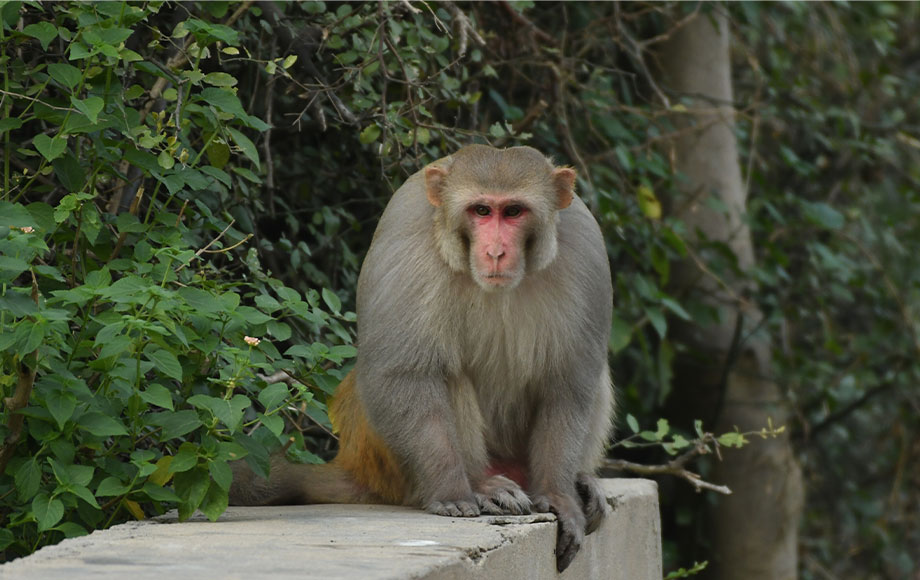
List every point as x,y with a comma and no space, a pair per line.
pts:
541,505
568,543
443,509
456,509
487,506
514,502
593,501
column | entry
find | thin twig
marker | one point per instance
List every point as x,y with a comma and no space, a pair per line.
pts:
668,469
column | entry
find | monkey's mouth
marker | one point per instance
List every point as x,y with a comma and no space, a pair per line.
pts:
497,280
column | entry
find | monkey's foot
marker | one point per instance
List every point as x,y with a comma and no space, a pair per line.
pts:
499,495
593,500
457,509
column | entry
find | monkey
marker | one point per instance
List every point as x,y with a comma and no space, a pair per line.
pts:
481,383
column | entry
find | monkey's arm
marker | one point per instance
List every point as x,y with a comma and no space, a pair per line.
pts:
412,414
567,441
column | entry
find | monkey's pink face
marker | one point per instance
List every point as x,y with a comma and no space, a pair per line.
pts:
498,230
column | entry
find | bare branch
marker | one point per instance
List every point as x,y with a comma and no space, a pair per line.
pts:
465,28
671,468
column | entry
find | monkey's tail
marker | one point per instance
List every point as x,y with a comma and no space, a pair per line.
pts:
364,471
290,483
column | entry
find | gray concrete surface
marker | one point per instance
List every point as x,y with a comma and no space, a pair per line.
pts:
360,542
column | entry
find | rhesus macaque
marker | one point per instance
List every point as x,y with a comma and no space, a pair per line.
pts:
481,383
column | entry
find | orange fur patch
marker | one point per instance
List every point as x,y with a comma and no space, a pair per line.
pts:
362,453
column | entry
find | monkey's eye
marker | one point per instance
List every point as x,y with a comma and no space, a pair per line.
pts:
513,211
482,210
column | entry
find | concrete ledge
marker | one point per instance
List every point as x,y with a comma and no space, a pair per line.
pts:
361,542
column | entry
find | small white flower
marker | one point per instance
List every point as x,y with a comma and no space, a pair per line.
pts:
251,341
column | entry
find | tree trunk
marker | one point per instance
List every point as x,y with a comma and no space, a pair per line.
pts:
754,531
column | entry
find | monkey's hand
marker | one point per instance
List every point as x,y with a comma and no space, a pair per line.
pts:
593,500
571,529
460,508
499,495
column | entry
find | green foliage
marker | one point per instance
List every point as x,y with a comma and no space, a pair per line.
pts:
834,161
129,363
686,573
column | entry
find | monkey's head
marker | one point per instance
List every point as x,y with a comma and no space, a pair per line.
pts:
496,211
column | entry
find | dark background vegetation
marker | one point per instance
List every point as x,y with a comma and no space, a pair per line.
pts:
175,180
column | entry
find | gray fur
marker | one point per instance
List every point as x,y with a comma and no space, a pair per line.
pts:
452,374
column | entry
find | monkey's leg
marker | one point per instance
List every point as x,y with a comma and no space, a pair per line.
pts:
565,427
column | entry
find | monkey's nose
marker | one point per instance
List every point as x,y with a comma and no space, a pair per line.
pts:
495,254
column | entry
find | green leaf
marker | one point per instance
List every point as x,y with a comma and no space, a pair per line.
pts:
45,32
656,317
267,303
732,440
220,79
66,74
157,394
257,456
253,316
676,308
12,267
649,436
633,424
230,413
166,362
823,215
85,494
47,511
370,134
28,479
71,530
648,203
9,124
160,493
191,486
201,300
61,405
224,100
221,473
166,160
497,131
247,146
50,148
218,156
176,424
6,538
332,300
90,106
620,334
215,502
273,423
70,173
279,330
185,459
111,486
101,425
272,396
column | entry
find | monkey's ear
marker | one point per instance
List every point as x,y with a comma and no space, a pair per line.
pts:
434,184
564,182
